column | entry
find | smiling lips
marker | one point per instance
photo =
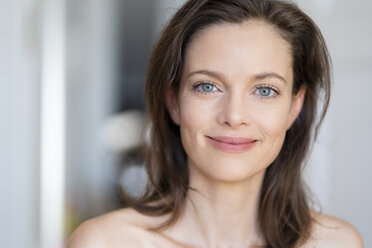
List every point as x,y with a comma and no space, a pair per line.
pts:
232,144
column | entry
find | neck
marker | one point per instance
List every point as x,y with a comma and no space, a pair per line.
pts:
222,214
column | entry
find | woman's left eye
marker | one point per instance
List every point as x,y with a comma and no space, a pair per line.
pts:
266,92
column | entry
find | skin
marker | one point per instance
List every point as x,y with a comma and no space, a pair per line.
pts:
237,82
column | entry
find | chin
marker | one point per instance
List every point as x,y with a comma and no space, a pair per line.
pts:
228,170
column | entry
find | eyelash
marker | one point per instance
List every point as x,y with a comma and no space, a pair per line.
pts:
196,88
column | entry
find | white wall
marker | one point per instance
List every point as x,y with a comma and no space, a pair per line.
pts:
341,166
19,129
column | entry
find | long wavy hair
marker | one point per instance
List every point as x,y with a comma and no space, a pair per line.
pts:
284,212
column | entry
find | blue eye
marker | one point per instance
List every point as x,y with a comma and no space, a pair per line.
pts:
205,87
266,92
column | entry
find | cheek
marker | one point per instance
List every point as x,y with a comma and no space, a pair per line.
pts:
272,123
194,118
273,118
193,115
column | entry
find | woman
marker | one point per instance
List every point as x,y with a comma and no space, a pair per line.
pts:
232,92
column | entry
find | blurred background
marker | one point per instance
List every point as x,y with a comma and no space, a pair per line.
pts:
71,112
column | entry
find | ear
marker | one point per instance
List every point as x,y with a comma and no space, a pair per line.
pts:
172,106
297,102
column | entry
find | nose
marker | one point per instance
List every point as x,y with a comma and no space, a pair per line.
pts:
233,111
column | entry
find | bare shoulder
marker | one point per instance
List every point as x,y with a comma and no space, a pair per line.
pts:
121,228
332,232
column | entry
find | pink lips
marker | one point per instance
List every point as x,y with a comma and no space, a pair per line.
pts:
232,144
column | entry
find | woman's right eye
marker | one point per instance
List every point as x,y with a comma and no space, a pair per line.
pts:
205,87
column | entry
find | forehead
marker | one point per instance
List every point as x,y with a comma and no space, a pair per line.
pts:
240,50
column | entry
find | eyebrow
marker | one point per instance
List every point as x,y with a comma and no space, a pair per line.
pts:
218,75
205,72
270,74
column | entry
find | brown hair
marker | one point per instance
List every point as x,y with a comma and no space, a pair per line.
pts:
284,211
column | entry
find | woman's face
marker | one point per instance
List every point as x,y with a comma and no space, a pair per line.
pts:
235,101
